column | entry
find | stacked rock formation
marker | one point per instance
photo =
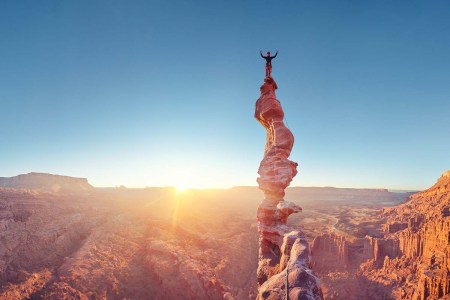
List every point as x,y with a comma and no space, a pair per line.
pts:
279,246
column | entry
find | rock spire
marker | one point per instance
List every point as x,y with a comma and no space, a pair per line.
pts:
280,247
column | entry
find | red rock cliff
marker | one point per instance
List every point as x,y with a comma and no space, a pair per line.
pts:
424,242
411,260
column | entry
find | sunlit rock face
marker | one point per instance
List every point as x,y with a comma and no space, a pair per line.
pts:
410,260
276,170
279,246
423,241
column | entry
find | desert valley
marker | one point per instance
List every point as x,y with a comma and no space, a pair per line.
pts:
62,237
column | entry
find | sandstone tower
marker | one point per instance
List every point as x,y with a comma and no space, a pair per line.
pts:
284,253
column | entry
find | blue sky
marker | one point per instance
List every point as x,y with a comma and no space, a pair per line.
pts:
156,93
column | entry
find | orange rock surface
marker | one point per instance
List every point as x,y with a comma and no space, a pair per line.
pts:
284,255
423,243
411,260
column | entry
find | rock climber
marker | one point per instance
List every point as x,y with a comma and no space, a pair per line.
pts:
268,59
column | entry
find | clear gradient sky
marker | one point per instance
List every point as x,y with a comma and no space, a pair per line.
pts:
157,93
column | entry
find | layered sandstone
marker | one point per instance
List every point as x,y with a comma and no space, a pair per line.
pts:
410,261
331,243
424,243
338,252
284,255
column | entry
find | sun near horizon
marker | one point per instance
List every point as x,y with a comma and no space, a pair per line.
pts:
134,99
143,119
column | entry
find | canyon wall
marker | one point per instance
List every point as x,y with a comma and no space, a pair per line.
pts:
425,241
412,260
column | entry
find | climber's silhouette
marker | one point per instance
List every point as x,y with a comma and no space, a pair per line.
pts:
268,59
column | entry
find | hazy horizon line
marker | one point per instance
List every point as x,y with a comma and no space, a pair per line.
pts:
187,187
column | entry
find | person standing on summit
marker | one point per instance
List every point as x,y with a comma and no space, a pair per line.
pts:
268,59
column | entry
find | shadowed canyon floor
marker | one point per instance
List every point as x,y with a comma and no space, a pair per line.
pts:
157,243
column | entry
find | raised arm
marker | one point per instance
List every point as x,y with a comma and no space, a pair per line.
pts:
275,54
260,52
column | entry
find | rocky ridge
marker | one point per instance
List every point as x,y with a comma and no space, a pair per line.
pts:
420,231
410,261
